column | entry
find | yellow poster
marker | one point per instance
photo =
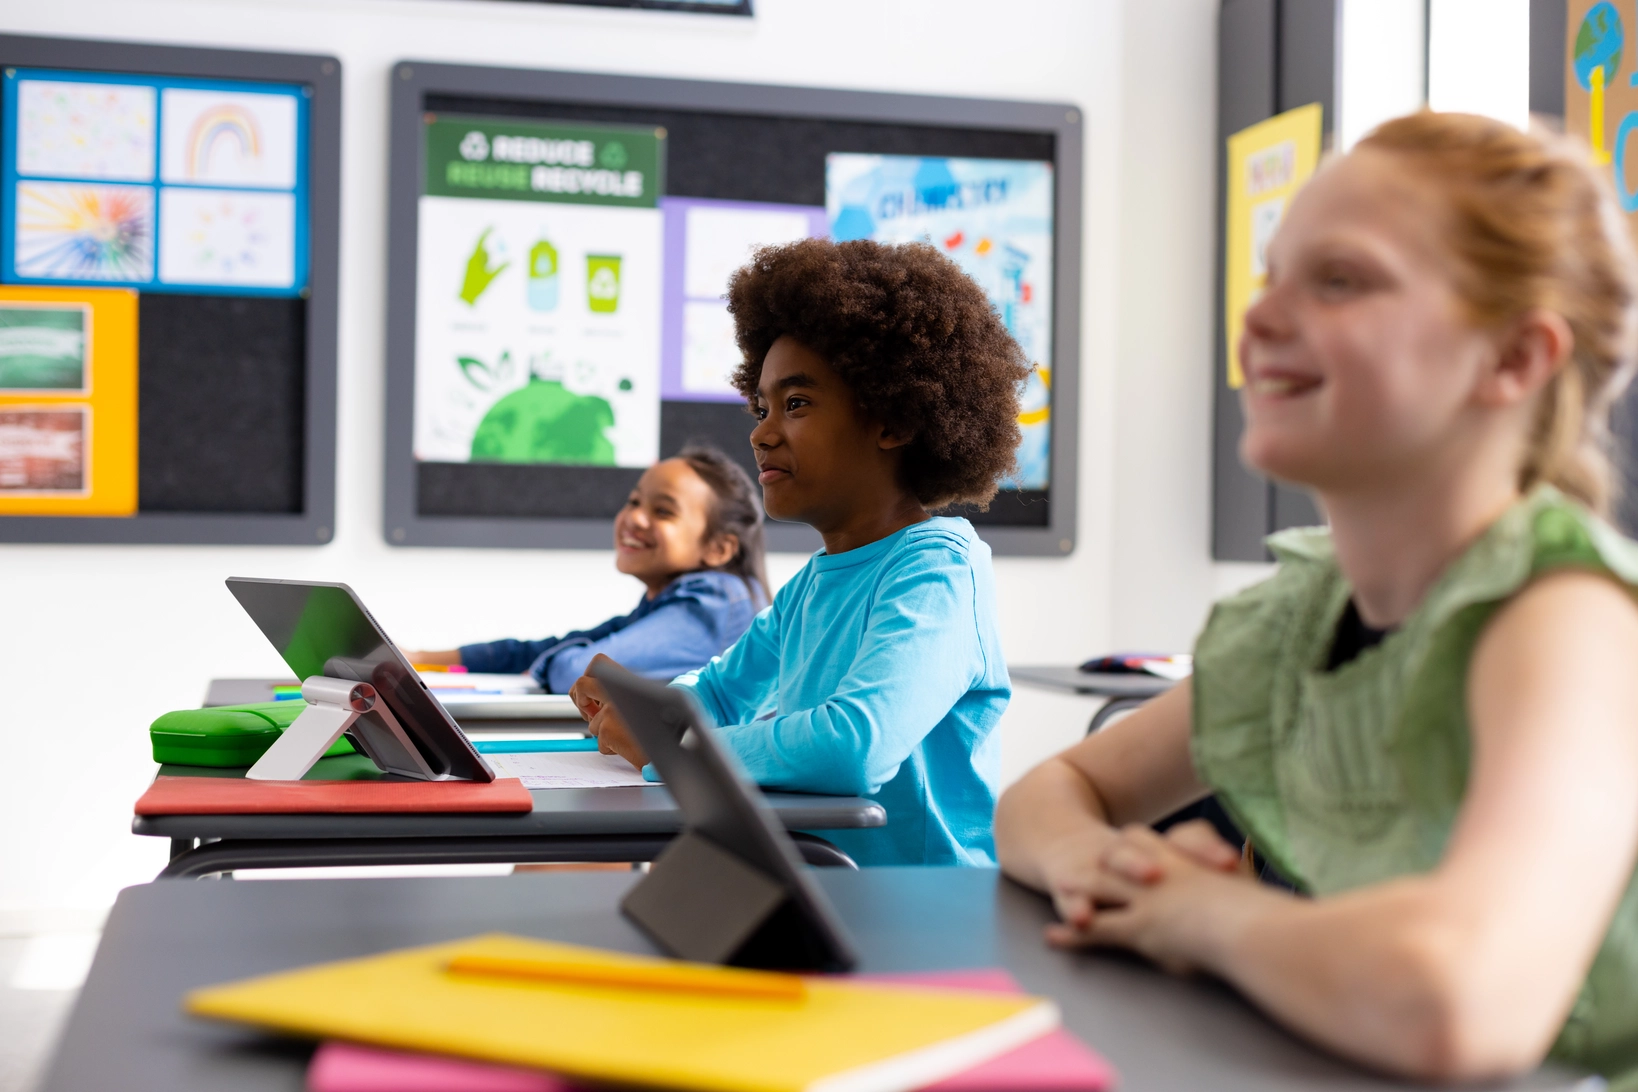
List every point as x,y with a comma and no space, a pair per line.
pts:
68,401
1600,99
1267,164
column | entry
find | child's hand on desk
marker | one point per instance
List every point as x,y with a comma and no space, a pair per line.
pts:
613,738
1077,869
1169,897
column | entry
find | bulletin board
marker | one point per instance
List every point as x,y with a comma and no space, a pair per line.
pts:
560,244
168,226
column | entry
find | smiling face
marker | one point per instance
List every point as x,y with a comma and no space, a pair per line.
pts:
821,461
662,531
1361,366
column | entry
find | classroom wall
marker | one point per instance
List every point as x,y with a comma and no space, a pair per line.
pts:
95,641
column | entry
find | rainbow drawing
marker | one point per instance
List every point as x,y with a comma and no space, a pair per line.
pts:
83,232
224,122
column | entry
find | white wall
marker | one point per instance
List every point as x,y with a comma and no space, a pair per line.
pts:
95,641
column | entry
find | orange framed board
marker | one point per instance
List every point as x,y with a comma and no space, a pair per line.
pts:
68,401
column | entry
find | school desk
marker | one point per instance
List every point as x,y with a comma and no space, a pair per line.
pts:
1124,692
603,824
127,1030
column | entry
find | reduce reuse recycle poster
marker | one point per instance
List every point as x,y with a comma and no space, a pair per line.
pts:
538,293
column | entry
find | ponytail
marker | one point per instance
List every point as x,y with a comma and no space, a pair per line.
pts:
1533,225
736,511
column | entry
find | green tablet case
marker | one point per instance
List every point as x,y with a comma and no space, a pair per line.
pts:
227,735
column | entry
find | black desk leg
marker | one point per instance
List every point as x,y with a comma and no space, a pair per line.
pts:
1111,709
229,854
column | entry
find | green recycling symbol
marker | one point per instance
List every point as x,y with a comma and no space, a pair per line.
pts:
613,155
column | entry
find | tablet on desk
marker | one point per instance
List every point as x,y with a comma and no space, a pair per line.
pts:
730,888
324,632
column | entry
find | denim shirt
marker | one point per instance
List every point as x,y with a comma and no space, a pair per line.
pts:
693,618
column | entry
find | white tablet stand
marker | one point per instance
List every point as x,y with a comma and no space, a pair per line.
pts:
333,706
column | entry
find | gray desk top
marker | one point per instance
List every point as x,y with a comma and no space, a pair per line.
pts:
1076,681
127,1030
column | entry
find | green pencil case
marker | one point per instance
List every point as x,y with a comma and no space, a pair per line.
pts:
227,735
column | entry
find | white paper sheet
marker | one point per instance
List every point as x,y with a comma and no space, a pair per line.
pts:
474,683
567,770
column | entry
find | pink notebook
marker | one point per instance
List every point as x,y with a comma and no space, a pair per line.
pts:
1058,1062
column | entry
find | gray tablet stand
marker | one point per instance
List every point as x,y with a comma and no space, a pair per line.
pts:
730,887
333,707
708,905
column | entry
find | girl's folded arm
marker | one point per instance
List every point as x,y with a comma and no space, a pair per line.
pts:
920,652
1050,824
1469,971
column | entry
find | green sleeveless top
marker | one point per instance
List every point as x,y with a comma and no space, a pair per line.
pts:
1354,776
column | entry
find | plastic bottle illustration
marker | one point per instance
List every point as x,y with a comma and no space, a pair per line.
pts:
603,283
543,268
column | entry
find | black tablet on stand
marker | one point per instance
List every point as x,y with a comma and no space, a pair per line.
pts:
730,888
354,681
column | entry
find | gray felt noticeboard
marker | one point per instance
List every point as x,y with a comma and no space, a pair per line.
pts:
725,141
236,390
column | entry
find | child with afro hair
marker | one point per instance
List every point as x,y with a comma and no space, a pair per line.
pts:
885,387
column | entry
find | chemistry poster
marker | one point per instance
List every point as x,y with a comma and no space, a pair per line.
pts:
994,218
538,294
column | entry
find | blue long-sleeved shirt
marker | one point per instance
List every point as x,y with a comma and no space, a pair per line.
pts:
693,618
878,672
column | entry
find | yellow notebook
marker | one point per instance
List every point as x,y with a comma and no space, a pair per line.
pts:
839,1036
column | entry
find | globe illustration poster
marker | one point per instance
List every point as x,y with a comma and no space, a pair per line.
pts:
1597,44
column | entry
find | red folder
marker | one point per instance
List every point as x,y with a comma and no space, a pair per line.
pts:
241,796
1057,1062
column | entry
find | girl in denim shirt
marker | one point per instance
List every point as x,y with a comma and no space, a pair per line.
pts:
691,531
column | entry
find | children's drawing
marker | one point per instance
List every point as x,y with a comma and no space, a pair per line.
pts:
70,231
218,138
227,237
85,130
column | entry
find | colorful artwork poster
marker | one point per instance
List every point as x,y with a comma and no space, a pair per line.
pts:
705,242
45,347
43,450
163,184
70,232
538,295
994,217
226,237
67,129
219,138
